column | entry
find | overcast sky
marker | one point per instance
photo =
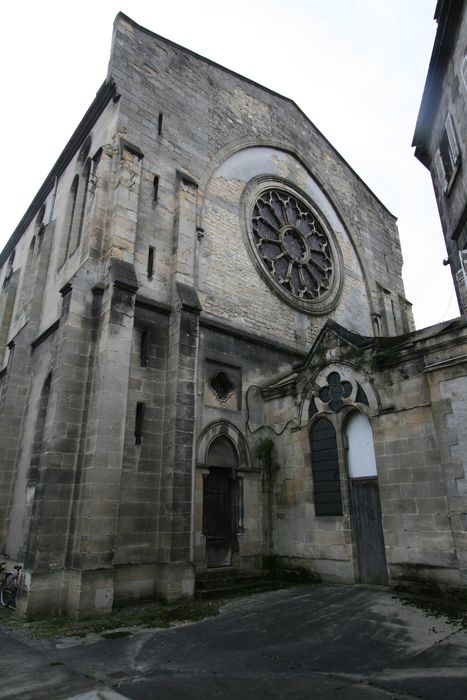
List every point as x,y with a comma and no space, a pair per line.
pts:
356,67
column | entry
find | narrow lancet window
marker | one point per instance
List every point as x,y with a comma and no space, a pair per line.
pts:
144,347
139,419
151,252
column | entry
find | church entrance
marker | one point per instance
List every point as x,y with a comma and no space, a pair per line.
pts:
217,494
219,498
366,506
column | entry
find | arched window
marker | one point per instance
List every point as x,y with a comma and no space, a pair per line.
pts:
9,269
40,217
71,215
76,208
27,283
39,227
325,468
361,452
84,152
7,302
81,202
39,429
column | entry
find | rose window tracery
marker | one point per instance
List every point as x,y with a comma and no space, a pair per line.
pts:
335,391
292,244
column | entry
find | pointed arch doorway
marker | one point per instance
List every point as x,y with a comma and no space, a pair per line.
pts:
219,502
366,505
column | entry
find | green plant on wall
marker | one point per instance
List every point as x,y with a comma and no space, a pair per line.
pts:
265,456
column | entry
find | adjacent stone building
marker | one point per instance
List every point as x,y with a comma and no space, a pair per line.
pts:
208,357
441,134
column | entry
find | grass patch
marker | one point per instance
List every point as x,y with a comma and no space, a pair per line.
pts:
151,615
455,611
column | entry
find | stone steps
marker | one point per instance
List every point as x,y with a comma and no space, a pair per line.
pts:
216,583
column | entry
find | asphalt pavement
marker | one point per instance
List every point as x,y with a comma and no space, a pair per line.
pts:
316,642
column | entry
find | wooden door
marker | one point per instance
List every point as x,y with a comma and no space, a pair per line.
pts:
366,505
369,531
217,517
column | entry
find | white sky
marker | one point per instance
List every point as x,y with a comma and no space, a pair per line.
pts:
356,67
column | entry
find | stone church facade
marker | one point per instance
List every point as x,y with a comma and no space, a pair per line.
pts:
208,357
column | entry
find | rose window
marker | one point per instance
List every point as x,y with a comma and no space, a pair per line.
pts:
292,244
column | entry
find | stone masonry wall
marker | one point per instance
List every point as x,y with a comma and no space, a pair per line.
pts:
248,362
418,439
207,112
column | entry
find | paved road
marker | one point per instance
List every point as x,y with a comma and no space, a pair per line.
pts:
309,643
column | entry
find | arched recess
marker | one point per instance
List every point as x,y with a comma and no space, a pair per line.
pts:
222,455
358,390
365,500
215,429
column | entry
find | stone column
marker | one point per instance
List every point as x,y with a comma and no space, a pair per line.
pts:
175,545
47,544
98,202
77,501
95,522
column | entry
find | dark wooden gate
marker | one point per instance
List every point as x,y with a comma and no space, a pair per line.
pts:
369,531
217,516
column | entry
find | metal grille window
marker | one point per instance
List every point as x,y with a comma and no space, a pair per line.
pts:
325,468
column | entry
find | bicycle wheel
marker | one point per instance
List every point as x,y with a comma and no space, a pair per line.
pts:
8,591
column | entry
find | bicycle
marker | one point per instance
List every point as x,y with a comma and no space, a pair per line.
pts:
10,586
2,573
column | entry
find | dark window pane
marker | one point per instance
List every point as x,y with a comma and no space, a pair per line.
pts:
325,468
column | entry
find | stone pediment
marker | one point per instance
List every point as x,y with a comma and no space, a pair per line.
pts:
335,343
